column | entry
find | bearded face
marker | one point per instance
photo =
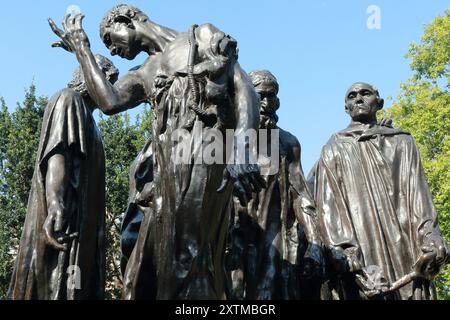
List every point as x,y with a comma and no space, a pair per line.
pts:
269,104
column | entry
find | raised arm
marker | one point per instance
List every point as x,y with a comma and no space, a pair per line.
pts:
127,93
244,174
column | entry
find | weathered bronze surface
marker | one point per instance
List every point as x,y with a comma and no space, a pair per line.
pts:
195,229
192,80
376,213
274,251
61,254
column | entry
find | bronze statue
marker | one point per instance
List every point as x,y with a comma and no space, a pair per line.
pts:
274,250
61,254
192,80
376,213
137,231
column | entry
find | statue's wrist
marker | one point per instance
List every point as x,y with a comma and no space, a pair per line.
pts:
352,259
84,46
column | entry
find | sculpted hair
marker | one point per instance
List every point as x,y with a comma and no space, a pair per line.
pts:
260,76
79,84
122,13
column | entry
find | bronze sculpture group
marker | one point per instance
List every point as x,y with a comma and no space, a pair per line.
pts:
363,227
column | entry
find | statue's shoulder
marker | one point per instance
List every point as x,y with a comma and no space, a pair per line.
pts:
206,31
203,33
331,147
289,145
207,27
288,139
335,139
67,94
66,101
405,137
63,103
212,38
65,98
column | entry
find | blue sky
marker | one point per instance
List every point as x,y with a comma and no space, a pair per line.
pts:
316,49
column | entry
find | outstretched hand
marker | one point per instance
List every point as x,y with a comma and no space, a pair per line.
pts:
73,36
246,178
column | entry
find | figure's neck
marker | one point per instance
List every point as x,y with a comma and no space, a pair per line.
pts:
154,37
370,122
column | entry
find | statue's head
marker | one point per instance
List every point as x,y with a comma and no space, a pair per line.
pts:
79,84
266,85
362,101
118,30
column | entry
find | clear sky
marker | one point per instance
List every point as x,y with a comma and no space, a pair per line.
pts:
316,49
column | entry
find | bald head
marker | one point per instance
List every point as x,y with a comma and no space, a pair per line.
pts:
365,85
362,101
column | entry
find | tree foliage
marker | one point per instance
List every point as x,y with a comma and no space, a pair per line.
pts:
423,108
19,138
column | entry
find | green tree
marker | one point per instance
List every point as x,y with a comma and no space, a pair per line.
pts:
423,108
19,140
5,119
123,140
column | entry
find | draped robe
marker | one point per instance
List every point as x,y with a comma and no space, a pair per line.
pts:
374,204
40,271
181,242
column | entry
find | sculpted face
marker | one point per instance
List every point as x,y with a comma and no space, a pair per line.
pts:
267,92
362,102
121,40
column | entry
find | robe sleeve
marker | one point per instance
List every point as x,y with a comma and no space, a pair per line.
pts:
65,125
334,221
421,206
